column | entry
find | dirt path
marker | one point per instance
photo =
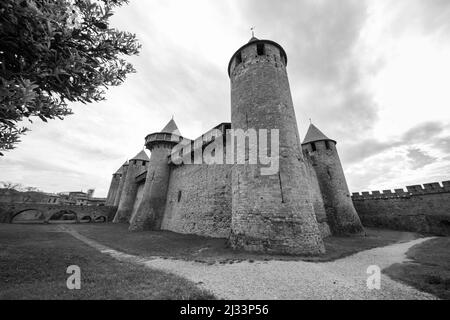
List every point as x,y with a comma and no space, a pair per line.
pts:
341,279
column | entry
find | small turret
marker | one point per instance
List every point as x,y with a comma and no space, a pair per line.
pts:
341,214
123,174
151,209
129,190
113,187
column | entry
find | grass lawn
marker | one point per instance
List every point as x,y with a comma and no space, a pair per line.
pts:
34,260
210,250
429,269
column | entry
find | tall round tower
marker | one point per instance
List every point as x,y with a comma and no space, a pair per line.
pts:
113,187
151,209
123,174
270,213
129,190
341,214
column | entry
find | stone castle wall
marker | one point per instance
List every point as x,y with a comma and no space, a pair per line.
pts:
138,199
317,198
199,200
420,209
270,213
341,215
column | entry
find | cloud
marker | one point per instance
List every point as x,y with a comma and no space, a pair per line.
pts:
423,132
419,158
443,144
431,16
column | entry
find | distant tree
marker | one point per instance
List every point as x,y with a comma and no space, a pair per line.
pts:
10,185
31,189
53,52
17,186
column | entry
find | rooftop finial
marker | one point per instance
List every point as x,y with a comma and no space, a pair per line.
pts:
253,31
310,121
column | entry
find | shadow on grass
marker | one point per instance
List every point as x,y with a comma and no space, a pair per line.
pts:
429,268
170,245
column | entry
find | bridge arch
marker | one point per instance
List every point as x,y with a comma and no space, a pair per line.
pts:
8,211
86,219
28,215
63,215
100,219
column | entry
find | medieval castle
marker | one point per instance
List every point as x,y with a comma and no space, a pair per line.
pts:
287,212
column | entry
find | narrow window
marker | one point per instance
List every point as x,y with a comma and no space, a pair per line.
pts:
327,144
313,146
281,187
179,195
238,58
260,49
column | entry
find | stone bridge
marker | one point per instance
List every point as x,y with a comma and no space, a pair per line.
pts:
37,212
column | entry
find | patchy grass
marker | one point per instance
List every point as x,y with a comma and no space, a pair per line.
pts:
429,269
34,260
168,244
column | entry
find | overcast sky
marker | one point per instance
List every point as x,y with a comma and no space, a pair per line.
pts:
373,75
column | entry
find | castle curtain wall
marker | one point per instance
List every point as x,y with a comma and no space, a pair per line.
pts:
137,201
199,200
316,196
425,210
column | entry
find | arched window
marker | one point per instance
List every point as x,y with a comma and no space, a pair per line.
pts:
238,58
260,50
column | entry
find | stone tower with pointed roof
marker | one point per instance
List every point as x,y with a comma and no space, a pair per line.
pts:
322,153
289,211
270,213
150,211
123,174
113,187
128,195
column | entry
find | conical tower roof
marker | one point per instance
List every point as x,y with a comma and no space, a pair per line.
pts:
125,163
314,134
253,38
141,156
171,127
119,171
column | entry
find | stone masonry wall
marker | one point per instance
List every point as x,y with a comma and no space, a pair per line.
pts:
341,215
270,213
419,209
316,196
199,200
137,201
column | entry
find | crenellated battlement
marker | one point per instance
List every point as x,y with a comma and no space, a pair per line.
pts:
415,190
